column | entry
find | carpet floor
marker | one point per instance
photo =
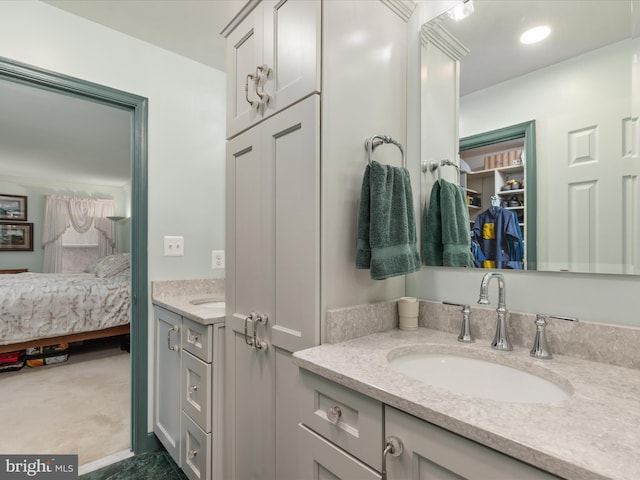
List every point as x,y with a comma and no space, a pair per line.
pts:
79,407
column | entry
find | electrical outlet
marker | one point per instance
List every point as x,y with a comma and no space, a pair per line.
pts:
173,246
217,259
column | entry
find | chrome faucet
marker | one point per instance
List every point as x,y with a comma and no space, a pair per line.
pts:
540,346
501,339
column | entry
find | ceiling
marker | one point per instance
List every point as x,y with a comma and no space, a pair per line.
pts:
492,35
42,130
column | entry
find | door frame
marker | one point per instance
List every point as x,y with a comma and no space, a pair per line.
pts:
527,131
141,439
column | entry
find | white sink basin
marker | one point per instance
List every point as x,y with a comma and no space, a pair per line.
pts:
478,378
205,302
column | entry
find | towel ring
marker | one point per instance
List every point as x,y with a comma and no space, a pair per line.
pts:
434,165
371,143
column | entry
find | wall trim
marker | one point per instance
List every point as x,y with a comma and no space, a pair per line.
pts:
433,32
25,74
403,8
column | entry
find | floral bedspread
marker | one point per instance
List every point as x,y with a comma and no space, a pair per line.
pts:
40,305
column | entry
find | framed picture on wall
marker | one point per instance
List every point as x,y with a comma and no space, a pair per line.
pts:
13,207
16,237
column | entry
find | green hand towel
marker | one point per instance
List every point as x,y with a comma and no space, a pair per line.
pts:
386,223
432,229
446,230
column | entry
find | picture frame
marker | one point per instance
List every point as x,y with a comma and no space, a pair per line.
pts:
13,208
16,237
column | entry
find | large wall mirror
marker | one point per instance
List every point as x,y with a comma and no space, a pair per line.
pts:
580,90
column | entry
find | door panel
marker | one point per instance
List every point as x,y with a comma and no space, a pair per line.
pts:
291,140
590,177
292,50
244,55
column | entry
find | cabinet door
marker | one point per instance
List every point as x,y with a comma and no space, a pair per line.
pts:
292,50
272,240
166,422
244,55
249,385
430,452
322,460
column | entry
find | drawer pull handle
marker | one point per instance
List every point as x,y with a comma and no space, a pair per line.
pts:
333,414
192,453
193,338
174,348
393,446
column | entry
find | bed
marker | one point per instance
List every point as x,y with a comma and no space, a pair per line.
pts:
50,308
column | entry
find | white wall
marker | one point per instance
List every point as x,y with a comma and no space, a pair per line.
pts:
186,124
363,93
35,190
602,298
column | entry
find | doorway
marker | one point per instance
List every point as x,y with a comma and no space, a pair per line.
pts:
10,70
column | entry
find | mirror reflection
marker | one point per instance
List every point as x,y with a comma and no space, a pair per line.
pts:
572,184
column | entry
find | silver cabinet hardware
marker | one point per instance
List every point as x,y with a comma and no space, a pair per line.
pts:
193,388
392,446
174,348
251,77
262,74
193,338
540,346
253,340
192,453
334,413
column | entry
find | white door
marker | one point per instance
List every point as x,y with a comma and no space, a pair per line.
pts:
592,167
166,422
272,240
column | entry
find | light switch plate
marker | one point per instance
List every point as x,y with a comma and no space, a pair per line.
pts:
173,246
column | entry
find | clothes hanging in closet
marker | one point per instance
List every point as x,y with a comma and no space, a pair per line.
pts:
498,234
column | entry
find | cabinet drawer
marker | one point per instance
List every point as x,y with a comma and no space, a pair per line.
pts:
358,426
197,339
196,390
320,459
196,450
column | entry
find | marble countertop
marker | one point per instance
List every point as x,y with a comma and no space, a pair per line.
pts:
595,434
181,304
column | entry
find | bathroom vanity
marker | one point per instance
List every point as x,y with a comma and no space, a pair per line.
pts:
188,374
356,404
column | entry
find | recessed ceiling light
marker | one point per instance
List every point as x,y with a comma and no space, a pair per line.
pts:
461,11
535,34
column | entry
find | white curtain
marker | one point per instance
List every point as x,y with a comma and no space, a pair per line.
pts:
62,212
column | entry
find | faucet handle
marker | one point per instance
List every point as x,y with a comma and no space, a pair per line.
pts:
465,329
540,346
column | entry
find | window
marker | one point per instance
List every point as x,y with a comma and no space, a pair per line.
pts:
79,249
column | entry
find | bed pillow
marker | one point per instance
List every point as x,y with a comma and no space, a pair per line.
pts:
91,268
111,265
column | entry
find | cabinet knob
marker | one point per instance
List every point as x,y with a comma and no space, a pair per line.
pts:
193,388
192,453
334,413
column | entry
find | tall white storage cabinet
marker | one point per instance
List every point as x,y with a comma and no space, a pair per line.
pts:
284,224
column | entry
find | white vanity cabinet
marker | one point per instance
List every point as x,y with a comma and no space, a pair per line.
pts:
188,392
340,431
429,451
284,37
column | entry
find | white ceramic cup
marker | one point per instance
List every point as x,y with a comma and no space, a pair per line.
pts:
408,313
408,307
